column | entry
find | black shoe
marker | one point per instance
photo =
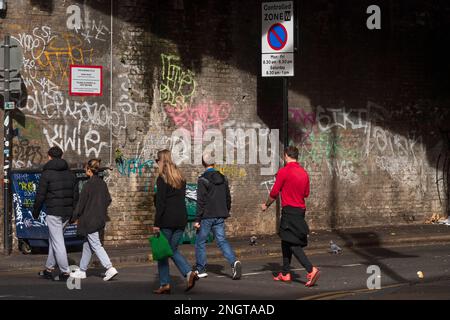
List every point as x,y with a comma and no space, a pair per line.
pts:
62,277
45,274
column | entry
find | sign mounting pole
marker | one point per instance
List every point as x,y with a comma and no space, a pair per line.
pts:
277,49
11,60
285,112
7,239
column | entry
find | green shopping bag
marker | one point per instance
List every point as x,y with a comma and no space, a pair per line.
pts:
160,247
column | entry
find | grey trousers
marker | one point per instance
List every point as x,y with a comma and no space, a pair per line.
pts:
57,253
93,244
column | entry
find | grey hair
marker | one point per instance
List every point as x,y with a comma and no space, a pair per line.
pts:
208,159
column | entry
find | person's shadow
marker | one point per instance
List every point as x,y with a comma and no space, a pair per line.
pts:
218,270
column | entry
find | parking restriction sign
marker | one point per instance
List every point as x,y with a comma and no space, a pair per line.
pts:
277,39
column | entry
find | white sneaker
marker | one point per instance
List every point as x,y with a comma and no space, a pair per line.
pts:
236,270
201,274
110,273
78,274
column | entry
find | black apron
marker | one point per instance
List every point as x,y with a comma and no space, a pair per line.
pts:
293,227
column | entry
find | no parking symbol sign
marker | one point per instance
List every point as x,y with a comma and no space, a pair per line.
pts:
277,39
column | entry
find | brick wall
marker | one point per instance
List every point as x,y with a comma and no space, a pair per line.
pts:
365,106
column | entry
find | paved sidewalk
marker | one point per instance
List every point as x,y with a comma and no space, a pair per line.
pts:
347,239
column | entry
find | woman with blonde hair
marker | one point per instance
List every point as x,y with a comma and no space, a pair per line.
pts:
171,219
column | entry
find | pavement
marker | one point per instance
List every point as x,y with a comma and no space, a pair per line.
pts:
343,277
268,246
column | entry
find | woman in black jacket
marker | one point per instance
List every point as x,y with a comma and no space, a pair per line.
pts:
171,219
91,213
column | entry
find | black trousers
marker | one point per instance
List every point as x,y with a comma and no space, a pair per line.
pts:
288,249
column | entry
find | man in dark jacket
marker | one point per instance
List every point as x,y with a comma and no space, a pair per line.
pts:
58,190
213,207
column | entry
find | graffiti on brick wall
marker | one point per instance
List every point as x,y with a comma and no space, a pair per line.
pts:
317,148
268,184
303,125
62,52
35,43
325,148
201,125
231,150
211,115
26,154
129,106
231,146
178,86
378,141
51,54
177,91
345,118
242,125
136,167
80,134
87,124
70,139
26,148
320,139
89,29
233,172
47,59
398,155
153,143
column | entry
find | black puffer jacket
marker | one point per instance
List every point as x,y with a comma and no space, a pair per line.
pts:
213,196
170,206
58,189
92,209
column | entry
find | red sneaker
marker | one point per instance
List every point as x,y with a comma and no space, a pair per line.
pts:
312,277
281,277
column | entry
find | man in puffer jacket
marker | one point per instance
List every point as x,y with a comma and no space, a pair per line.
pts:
58,189
213,207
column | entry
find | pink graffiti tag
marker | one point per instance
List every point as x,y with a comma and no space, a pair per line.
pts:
303,117
306,120
209,114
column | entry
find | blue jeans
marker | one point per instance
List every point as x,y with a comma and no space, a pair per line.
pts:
217,226
173,236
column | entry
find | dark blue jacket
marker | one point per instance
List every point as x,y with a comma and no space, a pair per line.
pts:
213,196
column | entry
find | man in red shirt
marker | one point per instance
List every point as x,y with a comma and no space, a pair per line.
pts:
292,182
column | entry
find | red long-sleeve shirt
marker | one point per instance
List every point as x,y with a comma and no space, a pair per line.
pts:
293,183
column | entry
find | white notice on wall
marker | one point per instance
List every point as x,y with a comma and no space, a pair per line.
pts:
86,81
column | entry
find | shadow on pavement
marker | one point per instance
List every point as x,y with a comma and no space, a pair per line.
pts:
273,267
217,269
375,253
